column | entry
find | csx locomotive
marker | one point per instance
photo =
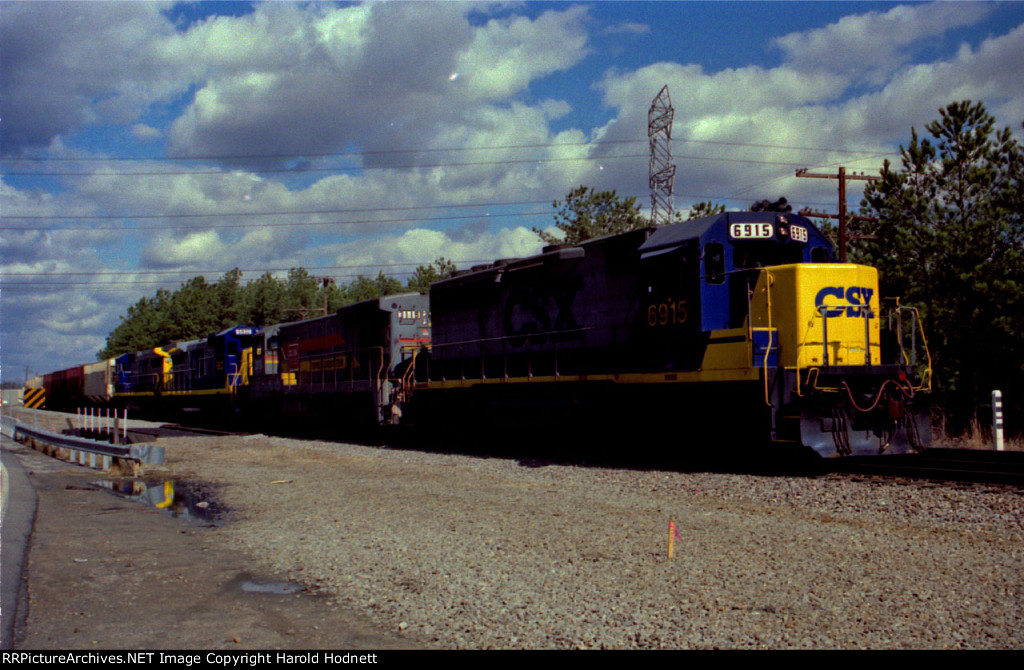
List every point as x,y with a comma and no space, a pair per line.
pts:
738,327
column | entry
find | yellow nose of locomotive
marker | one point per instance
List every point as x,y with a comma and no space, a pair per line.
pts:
826,314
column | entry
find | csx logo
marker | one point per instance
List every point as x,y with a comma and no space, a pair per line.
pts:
858,299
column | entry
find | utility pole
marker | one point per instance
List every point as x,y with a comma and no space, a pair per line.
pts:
326,282
304,311
841,215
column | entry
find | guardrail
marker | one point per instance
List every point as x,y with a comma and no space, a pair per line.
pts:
94,454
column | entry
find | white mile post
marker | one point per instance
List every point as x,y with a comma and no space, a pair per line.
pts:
997,419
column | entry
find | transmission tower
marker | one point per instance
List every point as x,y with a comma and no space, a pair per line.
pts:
663,172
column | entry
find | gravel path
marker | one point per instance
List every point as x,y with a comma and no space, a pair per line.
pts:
469,552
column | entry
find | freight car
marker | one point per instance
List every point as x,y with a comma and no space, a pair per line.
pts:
76,387
739,324
34,394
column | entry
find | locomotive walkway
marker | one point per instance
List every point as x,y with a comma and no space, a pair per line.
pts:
99,572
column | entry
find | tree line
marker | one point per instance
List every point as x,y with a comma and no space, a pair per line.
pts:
199,307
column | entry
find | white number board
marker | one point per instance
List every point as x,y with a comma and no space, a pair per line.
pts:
798,233
757,231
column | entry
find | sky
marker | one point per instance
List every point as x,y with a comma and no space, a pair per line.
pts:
144,143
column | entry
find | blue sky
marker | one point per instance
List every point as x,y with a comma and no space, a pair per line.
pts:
143,143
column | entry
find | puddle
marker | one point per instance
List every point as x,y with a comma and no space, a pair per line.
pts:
275,588
182,500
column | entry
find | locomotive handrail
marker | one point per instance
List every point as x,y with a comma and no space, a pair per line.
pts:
407,377
926,376
768,349
824,335
867,336
309,358
140,379
380,369
509,337
823,310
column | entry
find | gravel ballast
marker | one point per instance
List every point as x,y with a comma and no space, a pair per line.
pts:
471,552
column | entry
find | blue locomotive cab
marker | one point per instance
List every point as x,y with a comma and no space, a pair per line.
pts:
124,376
766,303
233,354
721,254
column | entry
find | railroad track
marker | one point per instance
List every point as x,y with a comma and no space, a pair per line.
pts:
178,430
950,465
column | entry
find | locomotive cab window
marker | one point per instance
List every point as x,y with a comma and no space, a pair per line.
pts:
821,255
671,270
714,262
765,254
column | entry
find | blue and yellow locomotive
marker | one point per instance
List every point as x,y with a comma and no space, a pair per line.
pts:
735,325
210,374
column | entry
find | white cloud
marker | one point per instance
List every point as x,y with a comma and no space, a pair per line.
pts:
193,249
70,64
143,132
421,246
506,54
789,106
376,76
874,45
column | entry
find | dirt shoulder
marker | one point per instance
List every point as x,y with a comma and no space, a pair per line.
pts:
108,573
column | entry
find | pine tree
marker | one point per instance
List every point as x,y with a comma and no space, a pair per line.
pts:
425,275
264,301
586,214
950,239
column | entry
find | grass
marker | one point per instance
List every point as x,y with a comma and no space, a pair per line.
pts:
978,436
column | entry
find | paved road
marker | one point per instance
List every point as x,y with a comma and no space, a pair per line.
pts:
17,512
102,572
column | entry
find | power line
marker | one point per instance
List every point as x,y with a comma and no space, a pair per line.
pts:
309,212
272,213
354,168
261,271
170,283
388,152
333,154
339,169
280,224
293,224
